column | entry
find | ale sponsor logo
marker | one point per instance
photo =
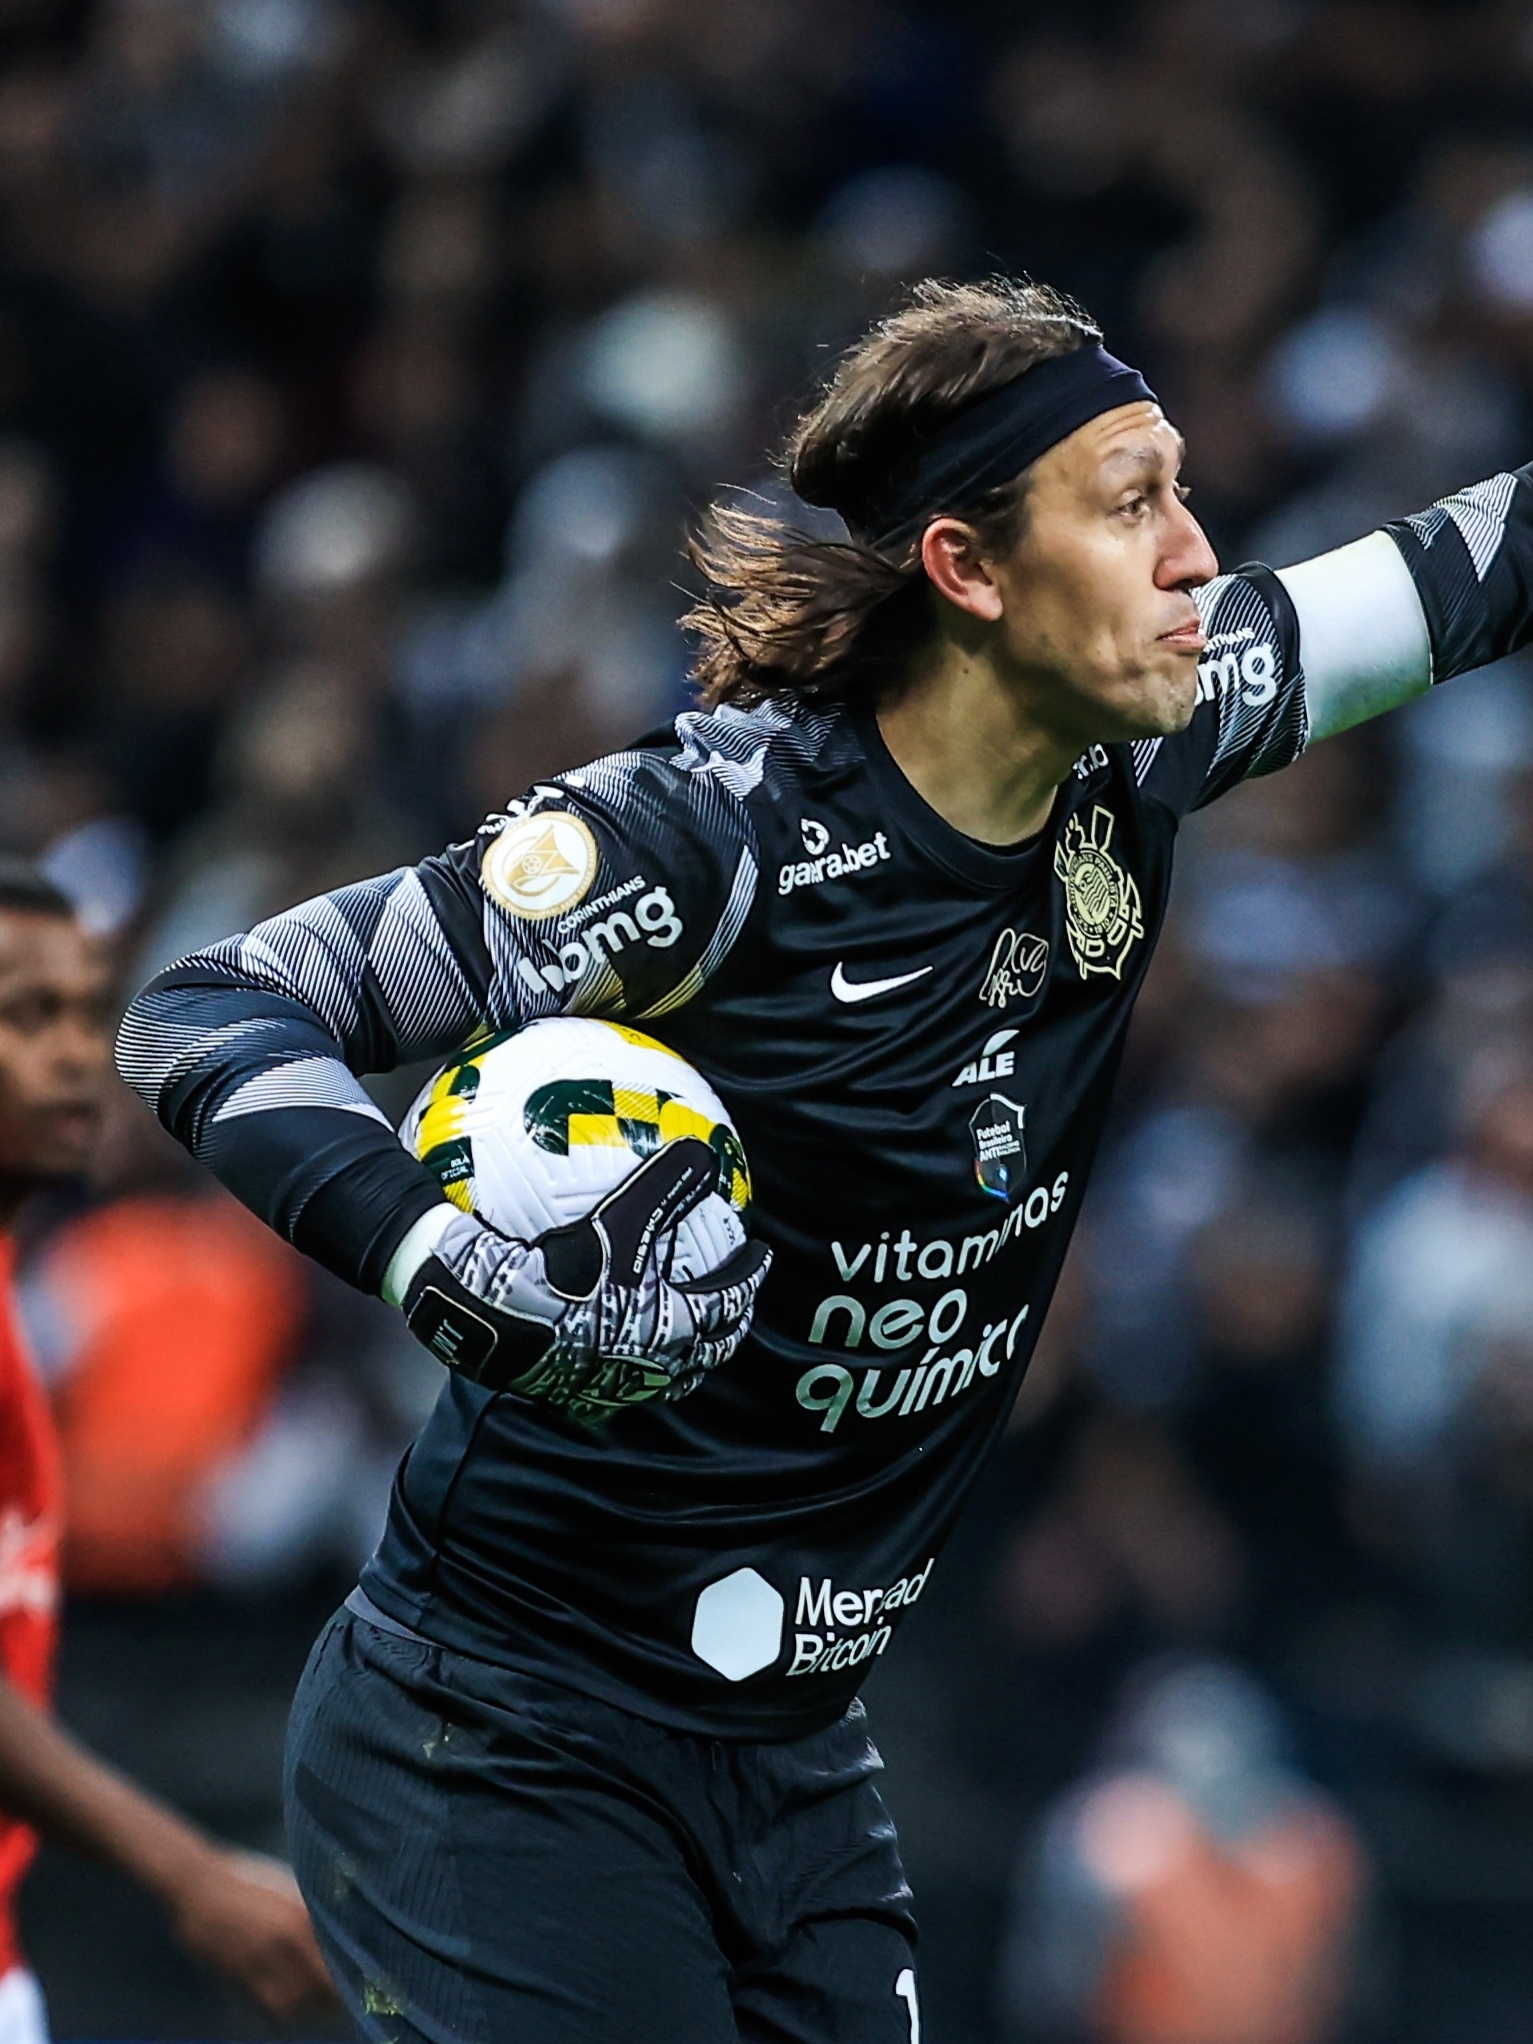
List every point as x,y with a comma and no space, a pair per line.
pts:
995,1061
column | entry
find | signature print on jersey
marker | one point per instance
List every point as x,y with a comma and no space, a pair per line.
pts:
541,865
1104,917
1019,964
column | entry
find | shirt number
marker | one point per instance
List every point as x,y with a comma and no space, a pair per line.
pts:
905,1988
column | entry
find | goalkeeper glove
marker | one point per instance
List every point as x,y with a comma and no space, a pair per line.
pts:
584,1317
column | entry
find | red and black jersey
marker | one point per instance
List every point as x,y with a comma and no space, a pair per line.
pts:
31,1514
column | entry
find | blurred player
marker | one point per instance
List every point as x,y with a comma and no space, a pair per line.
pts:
237,1911
583,1758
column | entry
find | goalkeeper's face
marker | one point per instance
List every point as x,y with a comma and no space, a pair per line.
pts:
55,1044
1092,611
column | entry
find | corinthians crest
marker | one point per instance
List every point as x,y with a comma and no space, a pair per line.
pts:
1103,913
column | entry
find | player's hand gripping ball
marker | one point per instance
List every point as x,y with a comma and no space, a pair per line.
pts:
602,1258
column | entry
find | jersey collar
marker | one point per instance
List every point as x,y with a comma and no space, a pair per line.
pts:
995,868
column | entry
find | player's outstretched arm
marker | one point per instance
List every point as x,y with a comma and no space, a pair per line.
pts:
1422,600
238,1912
1311,650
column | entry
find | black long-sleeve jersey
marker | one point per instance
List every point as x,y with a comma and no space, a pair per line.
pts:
915,1035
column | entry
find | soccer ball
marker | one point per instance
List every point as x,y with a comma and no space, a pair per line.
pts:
531,1129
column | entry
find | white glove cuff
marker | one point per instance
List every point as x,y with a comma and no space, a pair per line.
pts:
420,1243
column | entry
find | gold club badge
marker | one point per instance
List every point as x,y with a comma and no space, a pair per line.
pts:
1103,913
541,865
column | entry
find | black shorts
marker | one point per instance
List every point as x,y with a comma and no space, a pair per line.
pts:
490,1859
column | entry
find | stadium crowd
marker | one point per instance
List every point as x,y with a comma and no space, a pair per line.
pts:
361,362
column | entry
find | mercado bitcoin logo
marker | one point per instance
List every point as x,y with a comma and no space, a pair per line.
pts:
540,866
1103,915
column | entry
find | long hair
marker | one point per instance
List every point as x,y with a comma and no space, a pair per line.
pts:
784,613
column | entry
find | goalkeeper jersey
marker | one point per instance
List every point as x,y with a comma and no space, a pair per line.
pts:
915,1035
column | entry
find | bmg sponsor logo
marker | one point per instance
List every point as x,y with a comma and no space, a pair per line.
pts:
654,921
1238,662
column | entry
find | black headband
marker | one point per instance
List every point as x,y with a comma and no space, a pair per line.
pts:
995,439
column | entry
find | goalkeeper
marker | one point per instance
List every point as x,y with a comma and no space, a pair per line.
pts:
582,1757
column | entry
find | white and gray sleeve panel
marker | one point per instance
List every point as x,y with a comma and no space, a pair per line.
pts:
1470,557
249,1050
1427,598
1362,633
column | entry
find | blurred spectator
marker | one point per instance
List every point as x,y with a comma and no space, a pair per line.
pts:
1435,1378
177,653
1129,1527
224,447
300,811
1194,1889
232,1910
163,1321
1439,1302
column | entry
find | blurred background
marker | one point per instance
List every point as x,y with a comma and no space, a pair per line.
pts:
361,362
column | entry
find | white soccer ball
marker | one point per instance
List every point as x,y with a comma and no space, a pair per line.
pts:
530,1130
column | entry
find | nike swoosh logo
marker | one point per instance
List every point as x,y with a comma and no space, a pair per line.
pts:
846,989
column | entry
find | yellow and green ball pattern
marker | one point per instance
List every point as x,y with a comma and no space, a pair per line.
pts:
531,1128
